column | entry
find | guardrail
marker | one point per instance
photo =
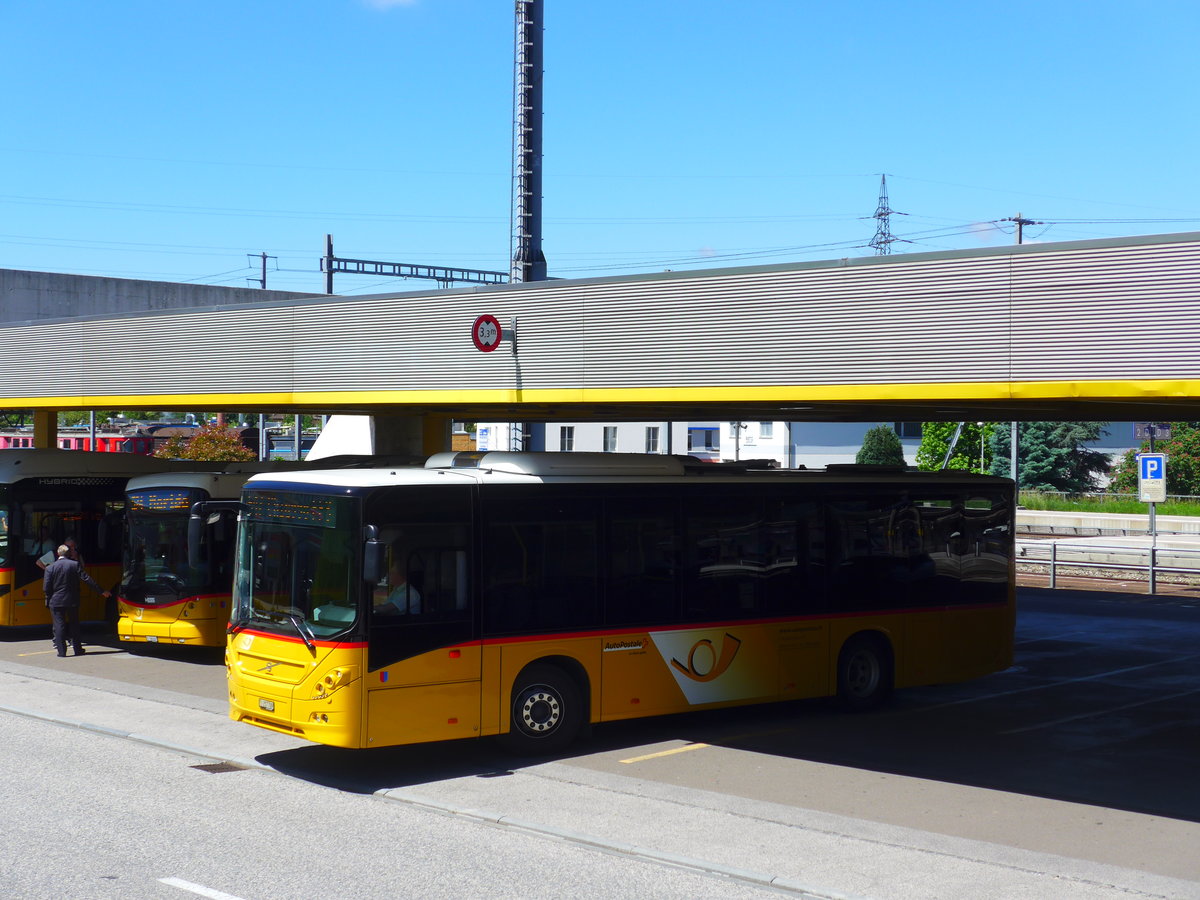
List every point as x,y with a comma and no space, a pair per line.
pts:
1056,555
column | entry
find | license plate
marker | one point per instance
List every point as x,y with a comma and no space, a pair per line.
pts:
152,639
268,705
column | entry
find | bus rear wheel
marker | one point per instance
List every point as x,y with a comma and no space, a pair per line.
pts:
547,711
864,674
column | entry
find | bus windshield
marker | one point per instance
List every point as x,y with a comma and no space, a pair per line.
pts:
156,565
297,567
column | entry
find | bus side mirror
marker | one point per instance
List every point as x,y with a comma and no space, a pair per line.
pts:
195,534
203,514
374,556
374,561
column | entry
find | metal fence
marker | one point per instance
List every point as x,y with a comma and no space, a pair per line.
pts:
1087,559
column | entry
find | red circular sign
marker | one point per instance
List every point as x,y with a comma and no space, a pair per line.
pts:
486,333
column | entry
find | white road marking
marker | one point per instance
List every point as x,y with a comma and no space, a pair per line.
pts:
198,889
1053,684
1100,712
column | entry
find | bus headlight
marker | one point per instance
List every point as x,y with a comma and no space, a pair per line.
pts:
333,681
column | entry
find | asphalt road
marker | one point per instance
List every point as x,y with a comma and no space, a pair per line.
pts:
1085,749
163,826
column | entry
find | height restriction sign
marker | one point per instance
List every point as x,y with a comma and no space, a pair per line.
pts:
486,333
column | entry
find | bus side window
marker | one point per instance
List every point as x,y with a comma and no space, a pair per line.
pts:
794,565
987,547
726,558
426,573
868,564
643,564
542,565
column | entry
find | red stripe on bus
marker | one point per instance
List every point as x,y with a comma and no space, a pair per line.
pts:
297,639
174,602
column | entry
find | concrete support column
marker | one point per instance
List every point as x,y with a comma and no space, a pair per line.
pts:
45,428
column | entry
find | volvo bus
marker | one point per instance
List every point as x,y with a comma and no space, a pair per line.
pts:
528,595
47,496
166,595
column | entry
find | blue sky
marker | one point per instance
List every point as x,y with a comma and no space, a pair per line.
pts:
177,141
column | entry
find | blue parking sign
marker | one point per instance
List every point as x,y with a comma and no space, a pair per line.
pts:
1152,477
1152,466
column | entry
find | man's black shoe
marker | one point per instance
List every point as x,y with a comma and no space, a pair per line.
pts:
79,651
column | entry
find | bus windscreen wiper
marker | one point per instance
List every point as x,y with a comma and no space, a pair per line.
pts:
304,632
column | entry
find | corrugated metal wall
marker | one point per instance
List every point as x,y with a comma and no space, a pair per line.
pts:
1092,311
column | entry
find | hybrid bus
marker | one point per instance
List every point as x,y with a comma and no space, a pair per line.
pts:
47,496
528,595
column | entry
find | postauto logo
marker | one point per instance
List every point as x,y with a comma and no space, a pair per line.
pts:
705,665
703,669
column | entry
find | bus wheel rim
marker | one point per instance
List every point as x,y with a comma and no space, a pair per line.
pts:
541,710
862,675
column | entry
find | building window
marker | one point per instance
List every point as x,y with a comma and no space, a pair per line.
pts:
610,438
908,429
766,430
703,439
652,439
566,438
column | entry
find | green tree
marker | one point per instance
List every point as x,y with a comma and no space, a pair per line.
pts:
881,447
1051,456
210,443
83,417
972,453
1183,462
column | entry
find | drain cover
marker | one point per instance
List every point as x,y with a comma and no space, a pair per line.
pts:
217,768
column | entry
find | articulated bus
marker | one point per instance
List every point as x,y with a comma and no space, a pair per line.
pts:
164,596
47,496
529,595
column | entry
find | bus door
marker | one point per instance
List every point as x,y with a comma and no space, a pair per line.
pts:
47,511
424,659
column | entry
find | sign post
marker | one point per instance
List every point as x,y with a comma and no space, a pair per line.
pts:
1152,473
1152,483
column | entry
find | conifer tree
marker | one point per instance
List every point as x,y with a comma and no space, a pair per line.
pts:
881,447
1051,456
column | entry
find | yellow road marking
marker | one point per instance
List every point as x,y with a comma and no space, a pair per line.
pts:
37,653
665,753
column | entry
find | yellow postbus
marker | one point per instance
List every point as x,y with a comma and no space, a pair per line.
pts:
47,496
527,595
163,598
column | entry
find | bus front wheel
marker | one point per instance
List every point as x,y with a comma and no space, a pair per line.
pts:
547,711
864,674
